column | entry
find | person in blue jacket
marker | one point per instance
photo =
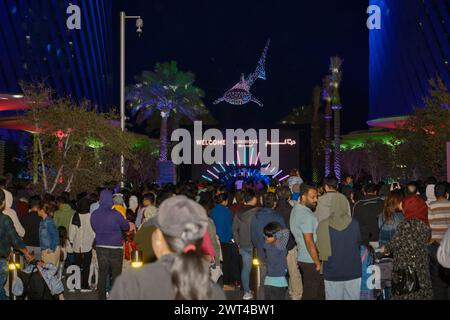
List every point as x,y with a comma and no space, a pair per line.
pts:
222,217
48,235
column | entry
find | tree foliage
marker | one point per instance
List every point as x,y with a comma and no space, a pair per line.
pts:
169,90
87,152
426,133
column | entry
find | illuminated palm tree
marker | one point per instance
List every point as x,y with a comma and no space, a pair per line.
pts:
326,96
169,92
336,78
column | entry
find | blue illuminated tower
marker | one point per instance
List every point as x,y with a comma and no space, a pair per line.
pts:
412,46
36,45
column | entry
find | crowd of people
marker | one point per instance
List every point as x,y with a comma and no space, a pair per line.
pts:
201,240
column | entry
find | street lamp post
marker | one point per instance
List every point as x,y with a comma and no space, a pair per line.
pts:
139,25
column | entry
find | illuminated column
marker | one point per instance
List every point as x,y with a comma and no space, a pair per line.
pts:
336,78
167,172
328,116
163,137
315,134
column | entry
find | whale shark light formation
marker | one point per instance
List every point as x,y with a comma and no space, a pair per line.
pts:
240,94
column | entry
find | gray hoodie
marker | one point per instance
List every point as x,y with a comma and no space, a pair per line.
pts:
241,227
324,205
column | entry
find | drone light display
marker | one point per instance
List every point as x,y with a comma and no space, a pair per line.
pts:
240,94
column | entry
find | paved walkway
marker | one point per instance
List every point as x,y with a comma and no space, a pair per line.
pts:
231,295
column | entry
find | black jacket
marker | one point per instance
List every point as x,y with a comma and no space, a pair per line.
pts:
30,223
366,212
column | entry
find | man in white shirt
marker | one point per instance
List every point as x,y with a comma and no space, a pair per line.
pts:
443,254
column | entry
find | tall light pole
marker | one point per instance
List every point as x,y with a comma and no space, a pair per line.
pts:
139,25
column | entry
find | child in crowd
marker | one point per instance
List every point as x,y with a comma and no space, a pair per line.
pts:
66,248
129,245
276,239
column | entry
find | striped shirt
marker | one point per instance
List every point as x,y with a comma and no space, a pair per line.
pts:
439,218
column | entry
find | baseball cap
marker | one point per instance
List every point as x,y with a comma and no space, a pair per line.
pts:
181,217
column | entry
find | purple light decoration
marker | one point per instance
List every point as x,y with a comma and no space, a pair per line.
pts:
227,163
277,174
214,175
257,158
268,166
284,178
238,158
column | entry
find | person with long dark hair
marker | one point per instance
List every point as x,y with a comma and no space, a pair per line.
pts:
181,272
391,216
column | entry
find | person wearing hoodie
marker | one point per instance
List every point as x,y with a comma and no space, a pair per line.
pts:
241,233
12,214
262,217
338,242
81,236
324,202
64,214
108,225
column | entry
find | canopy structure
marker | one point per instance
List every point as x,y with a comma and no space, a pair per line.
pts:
10,102
388,123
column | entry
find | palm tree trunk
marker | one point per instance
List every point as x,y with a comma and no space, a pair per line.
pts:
163,138
328,117
337,142
315,134
35,158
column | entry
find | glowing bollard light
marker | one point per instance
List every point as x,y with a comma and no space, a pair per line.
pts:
255,275
14,262
13,267
136,259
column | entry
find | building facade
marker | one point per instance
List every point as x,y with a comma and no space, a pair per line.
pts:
37,45
412,46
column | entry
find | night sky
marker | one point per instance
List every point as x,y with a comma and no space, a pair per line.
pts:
219,40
